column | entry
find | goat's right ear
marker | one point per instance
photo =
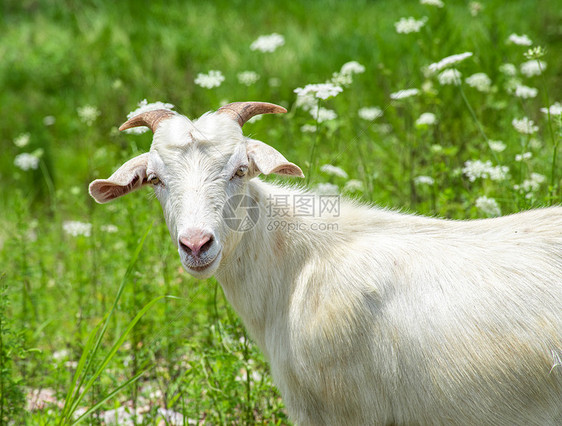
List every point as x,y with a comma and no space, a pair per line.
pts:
267,160
129,177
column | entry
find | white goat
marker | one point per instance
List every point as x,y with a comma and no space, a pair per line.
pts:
385,318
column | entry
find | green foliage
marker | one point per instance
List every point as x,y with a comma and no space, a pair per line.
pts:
63,258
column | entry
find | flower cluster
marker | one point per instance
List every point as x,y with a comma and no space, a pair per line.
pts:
480,81
426,119
436,3
424,180
247,78
485,170
521,40
531,185
524,125
369,113
448,61
403,94
88,114
409,25
525,92
26,161
334,171
488,206
76,228
450,76
319,91
532,68
268,43
212,79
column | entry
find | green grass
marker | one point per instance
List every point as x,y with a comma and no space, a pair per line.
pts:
60,56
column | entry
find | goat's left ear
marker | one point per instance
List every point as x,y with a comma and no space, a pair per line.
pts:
129,177
267,160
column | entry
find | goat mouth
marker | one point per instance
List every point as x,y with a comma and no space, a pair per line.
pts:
200,267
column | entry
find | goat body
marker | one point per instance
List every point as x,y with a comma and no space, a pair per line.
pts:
369,316
395,318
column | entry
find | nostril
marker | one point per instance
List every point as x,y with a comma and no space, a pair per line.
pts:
184,244
195,243
207,244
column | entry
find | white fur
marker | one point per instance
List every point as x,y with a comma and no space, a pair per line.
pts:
377,317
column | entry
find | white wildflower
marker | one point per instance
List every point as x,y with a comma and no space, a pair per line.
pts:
524,156
402,94
341,79
520,40
475,8
110,229
489,206
525,92
308,128
319,91
248,78
480,81
353,185
479,169
532,67
26,161
497,146
511,85
448,61
532,184
426,119
268,43
307,101
22,140
352,67
327,189
61,354
77,228
427,87
508,69
88,114
334,171
525,126
554,109
409,25
144,106
450,76
212,79
436,3
424,180
535,52
49,120
369,113
323,114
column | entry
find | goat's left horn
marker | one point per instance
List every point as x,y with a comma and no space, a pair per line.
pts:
150,119
243,111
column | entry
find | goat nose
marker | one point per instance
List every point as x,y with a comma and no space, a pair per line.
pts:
196,242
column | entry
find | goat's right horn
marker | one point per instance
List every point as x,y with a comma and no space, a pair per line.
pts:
243,111
150,119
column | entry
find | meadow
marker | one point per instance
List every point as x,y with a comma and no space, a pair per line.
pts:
445,108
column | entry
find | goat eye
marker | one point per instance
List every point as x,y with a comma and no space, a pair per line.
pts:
153,180
242,170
